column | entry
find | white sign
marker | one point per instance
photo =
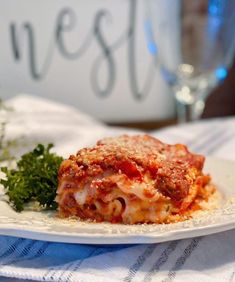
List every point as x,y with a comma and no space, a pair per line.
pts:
94,54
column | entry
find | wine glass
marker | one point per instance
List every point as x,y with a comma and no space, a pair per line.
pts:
194,43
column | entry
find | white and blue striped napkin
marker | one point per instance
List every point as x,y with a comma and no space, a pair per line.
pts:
209,258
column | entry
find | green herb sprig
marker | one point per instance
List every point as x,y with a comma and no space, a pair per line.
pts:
33,179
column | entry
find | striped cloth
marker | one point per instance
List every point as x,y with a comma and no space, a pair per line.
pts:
208,258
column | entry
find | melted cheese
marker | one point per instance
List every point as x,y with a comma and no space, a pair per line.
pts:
81,196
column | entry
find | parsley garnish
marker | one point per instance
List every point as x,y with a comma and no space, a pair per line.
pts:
33,179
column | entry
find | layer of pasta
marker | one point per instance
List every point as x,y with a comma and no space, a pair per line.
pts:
133,179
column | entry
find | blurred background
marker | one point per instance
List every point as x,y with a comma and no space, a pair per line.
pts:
101,57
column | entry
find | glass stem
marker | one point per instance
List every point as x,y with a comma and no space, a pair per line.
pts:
189,112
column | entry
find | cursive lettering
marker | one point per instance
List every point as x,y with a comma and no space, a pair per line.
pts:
65,23
111,70
29,31
138,94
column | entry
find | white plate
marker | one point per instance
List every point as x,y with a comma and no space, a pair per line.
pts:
45,226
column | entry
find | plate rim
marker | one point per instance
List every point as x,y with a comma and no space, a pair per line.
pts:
121,238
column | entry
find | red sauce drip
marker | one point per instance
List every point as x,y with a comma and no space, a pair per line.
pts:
129,169
153,169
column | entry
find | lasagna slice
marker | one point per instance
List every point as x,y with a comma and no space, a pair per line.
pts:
132,179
